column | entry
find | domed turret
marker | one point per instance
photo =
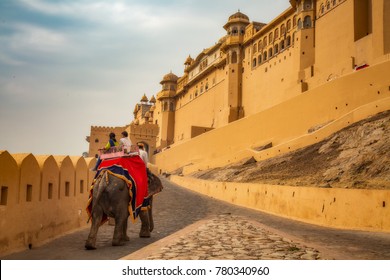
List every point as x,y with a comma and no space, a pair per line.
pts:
236,24
170,77
189,61
152,99
238,17
144,99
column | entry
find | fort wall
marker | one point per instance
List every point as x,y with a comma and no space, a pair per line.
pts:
41,198
284,122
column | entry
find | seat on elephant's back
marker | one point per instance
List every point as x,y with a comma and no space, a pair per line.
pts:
117,152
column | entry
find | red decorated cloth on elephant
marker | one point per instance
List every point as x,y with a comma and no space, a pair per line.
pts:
133,171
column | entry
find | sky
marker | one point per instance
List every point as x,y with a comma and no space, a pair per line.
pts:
68,65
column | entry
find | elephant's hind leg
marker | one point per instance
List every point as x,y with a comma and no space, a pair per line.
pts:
97,214
120,227
125,237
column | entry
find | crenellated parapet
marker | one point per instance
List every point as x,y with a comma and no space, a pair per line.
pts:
102,128
41,197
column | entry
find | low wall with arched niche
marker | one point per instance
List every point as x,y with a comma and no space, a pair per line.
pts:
41,197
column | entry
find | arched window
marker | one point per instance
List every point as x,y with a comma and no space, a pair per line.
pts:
254,62
255,48
165,106
276,48
299,23
234,57
171,107
234,31
259,45
270,37
288,41
276,33
270,52
289,25
307,22
334,2
282,30
328,5
265,42
322,9
259,59
294,21
281,45
265,56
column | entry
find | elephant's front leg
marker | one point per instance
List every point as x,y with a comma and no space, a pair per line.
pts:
150,213
97,215
145,227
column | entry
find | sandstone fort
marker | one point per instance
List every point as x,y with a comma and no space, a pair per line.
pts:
263,90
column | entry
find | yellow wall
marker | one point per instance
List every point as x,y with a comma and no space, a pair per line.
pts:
9,179
272,81
99,137
145,133
284,122
383,14
336,39
333,59
338,208
26,221
210,103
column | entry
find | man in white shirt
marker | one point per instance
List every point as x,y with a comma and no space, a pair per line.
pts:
143,154
124,142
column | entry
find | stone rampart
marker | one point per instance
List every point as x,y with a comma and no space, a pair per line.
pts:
41,198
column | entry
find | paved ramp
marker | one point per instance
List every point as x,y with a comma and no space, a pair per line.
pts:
193,226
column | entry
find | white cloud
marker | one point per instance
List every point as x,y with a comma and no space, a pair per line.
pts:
29,37
129,15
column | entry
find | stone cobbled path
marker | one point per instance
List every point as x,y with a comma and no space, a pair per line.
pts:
230,237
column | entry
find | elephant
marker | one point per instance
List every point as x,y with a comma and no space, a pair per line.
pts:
110,197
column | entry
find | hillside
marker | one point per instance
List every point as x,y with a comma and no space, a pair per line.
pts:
357,156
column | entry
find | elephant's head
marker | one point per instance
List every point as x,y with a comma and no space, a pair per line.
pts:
154,184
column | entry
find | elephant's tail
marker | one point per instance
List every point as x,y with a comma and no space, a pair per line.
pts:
101,187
